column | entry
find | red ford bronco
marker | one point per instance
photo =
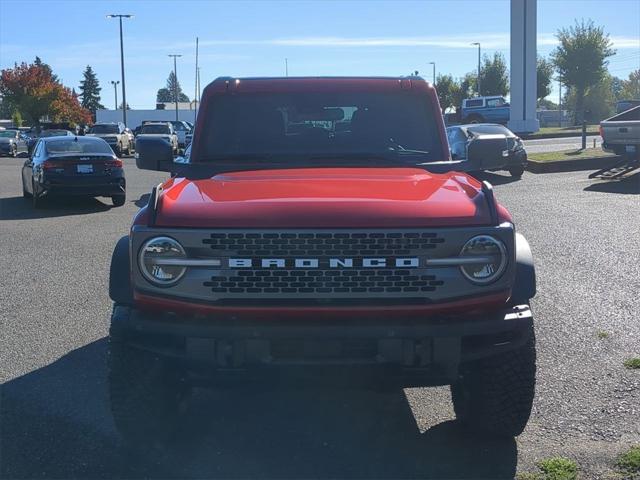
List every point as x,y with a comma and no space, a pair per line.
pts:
318,230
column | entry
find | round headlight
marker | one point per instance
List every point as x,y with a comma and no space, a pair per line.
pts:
491,256
156,260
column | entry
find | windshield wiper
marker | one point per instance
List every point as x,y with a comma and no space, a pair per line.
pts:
397,148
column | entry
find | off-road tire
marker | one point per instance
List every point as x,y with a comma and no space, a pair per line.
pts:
516,172
146,395
118,200
495,395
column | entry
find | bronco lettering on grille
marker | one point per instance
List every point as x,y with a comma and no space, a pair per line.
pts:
411,262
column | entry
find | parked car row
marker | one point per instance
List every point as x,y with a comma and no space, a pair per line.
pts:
182,129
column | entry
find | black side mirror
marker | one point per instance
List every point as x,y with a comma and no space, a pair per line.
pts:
154,154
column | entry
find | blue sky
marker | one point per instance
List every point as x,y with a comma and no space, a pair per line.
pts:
249,38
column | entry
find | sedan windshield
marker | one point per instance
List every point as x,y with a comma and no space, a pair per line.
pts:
8,134
490,130
319,126
78,146
55,133
100,129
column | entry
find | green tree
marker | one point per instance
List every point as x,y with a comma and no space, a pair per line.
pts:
631,87
599,101
90,91
617,84
167,94
544,73
581,60
447,89
494,75
466,89
164,96
546,104
16,118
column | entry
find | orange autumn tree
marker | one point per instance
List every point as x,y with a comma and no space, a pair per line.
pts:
35,92
66,108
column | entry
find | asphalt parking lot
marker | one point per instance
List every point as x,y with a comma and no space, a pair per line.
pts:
54,311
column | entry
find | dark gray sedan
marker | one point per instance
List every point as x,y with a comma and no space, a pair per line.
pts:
12,143
487,146
64,165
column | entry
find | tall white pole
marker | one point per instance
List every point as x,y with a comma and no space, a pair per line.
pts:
195,99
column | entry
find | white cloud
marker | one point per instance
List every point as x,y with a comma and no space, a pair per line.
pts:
489,41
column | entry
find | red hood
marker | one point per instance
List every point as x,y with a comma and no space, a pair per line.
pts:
324,198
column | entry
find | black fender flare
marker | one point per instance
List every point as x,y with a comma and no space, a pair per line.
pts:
524,286
120,289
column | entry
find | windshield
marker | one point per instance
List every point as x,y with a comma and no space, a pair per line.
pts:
155,129
54,133
104,129
78,146
490,130
317,125
7,134
179,126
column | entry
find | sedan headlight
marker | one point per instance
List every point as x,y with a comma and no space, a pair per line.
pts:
488,259
161,261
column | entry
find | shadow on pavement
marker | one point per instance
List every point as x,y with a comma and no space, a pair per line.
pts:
19,208
56,424
628,185
143,200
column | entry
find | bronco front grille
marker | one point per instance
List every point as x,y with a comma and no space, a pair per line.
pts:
323,244
289,282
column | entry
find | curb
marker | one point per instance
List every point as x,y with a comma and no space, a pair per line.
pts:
591,163
544,136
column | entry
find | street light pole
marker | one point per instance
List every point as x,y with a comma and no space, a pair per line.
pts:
124,93
559,102
175,76
115,84
286,67
478,44
434,71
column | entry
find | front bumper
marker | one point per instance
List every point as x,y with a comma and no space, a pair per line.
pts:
405,352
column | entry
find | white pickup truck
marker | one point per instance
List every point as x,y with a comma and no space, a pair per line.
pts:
621,133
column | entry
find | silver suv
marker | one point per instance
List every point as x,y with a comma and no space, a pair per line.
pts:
115,134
